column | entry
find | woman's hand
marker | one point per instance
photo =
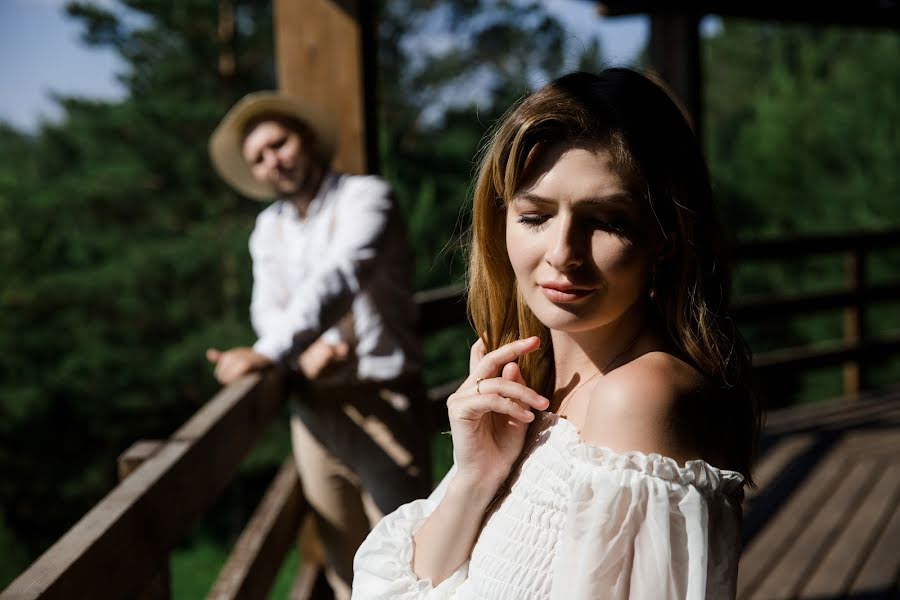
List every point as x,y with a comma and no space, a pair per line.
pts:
490,413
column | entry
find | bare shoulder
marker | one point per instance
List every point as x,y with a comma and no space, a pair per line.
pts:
640,407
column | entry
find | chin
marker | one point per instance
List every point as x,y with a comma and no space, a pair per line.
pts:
575,317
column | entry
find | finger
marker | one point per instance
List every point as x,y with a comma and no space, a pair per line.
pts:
212,355
512,372
476,353
472,408
341,350
492,362
514,390
218,372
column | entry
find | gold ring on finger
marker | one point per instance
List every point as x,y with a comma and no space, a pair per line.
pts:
478,381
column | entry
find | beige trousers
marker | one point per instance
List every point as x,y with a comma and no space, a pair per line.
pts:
362,450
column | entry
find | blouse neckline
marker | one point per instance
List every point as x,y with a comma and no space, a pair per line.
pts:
565,436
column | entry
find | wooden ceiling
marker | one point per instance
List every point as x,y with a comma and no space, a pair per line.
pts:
868,13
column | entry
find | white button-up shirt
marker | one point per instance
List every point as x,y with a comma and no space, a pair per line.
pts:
348,256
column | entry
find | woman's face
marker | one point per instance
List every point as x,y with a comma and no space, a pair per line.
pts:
580,245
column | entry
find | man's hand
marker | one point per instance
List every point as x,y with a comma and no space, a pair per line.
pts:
316,359
235,363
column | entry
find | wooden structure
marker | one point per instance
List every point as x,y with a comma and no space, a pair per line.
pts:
326,55
842,456
675,37
824,524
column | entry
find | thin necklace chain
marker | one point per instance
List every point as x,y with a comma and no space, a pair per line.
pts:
571,394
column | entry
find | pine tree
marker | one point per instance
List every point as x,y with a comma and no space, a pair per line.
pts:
124,256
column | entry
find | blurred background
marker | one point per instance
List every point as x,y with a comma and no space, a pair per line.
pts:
124,257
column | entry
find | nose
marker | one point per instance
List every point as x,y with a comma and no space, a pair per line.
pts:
563,253
269,159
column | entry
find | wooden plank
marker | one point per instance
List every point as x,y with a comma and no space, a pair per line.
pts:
122,543
839,411
160,587
804,245
766,548
790,359
882,444
760,308
842,562
878,575
775,461
868,13
311,584
795,562
135,456
259,552
325,53
675,56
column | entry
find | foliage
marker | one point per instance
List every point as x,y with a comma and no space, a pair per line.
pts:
124,258
802,134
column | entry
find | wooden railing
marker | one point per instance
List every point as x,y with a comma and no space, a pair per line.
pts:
854,297
121,548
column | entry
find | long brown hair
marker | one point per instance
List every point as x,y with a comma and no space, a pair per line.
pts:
654,149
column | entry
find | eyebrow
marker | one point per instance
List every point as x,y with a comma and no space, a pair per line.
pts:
619,198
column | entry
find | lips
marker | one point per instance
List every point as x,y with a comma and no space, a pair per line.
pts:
564,292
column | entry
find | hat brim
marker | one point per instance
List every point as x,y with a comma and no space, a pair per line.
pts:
226,141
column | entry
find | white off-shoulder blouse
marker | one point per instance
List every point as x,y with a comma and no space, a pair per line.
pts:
579,522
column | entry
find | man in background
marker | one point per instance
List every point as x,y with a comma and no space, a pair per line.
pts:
331,301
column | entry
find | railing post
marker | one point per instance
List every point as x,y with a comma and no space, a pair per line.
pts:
854,323
160,588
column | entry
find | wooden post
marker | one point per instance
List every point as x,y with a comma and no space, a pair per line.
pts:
675,56
854,321
160,588
325,53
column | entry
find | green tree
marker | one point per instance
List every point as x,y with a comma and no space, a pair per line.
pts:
802,133
123,256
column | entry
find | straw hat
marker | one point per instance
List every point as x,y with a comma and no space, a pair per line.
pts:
226,141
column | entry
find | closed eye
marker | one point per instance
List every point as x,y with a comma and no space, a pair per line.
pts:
533,221
615,226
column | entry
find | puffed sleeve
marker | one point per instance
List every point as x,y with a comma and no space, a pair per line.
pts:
382,568
641,527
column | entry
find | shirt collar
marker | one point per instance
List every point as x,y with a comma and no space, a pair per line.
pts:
287,208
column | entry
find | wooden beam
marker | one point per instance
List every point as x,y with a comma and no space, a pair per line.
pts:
325,52
866,13
160,587
675,56
119,547
259,552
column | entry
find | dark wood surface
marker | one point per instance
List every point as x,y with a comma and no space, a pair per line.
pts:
824,523
268,537
118,548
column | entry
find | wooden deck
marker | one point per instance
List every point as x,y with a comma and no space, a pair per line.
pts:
825,522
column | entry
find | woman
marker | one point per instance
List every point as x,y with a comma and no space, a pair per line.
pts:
608,380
